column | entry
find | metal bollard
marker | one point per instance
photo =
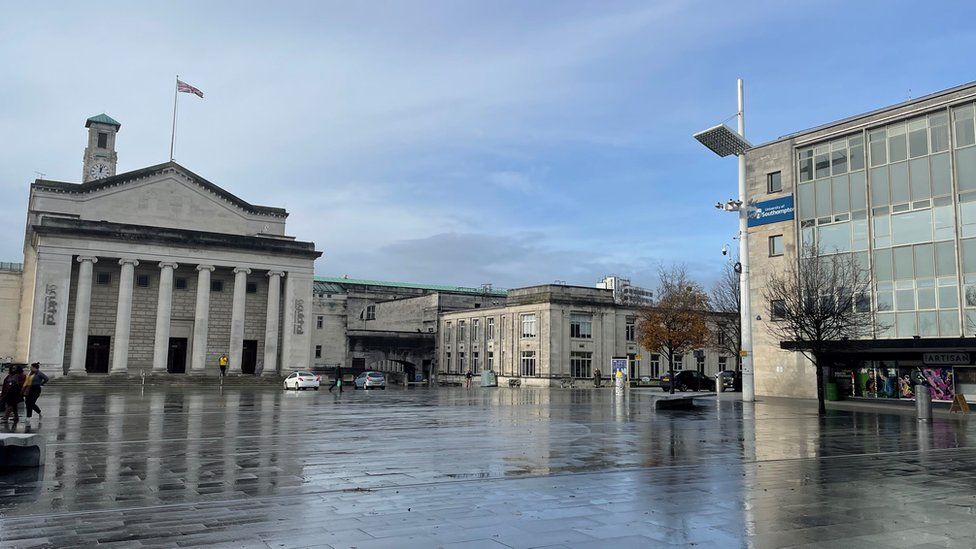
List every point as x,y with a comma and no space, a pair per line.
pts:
923,403
720,383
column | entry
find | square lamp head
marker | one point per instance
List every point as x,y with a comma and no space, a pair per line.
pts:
722,141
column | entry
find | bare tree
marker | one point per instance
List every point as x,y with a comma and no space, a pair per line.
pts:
677,321
726,298
818,303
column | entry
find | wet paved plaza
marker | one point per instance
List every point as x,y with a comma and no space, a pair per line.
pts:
494,468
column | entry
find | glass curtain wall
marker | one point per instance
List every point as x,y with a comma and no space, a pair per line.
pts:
905,192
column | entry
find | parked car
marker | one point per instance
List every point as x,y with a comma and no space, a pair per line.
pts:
302,380
731,379
688,380
370,380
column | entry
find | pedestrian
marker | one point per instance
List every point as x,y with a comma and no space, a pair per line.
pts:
596,377
32,388
222,361
337,382
467,378
12,392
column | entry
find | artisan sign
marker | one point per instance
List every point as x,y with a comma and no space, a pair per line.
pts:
945,358
771,211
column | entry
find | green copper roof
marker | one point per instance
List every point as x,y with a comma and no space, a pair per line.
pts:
433,287
103,119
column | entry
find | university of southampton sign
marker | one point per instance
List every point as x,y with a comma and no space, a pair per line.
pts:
772,211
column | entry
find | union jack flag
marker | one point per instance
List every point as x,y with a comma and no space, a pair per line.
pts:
182,86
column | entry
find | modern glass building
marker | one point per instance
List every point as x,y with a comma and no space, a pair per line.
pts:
896,188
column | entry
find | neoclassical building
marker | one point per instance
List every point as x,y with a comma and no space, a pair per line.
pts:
157,271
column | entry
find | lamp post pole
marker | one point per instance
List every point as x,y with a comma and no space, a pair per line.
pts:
745,313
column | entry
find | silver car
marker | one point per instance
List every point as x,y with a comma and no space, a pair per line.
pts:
370,380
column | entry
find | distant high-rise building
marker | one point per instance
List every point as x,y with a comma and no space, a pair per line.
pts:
625,293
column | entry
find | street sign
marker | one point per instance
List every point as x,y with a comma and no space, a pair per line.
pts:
743,353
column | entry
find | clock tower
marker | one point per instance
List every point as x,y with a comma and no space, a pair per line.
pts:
100,155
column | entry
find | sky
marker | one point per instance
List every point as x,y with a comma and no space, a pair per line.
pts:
455,142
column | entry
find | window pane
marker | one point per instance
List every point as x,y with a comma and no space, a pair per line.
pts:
926,298
856,159
806,165
806,200
964,125
949,323
903,263
928,324
948,297
879,155
966,169
897,147
882,265
941,183
898,174
838,162
925,261
823,197
918,143
774,182
822,165
945,224
940,138
886,301
967,218
835,238
911,227
919,171
879,186
858,192
841,193
945,259
859,228
905,324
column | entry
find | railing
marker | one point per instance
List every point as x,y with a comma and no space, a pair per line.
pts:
11,267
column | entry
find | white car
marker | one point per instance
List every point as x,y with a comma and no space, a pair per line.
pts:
302,380
370,380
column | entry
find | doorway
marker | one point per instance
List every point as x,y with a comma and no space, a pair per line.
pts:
96,358
249,356
176,360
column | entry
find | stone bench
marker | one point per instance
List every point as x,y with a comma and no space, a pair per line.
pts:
21,450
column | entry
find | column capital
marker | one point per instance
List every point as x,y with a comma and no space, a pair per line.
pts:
129,261
170,264
276,273
244,270
83,258
205,268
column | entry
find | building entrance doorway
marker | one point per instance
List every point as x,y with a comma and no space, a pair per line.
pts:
176,359
96,357
249,356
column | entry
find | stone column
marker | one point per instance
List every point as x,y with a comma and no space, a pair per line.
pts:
123,318
201,320
79,337
270,366
237,320
164,310
295,344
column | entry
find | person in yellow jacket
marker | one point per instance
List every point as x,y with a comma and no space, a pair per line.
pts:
222,361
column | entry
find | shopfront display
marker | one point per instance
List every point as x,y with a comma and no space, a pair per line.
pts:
896,380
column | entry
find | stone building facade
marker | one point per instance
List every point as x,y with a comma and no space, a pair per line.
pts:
156,271
544,334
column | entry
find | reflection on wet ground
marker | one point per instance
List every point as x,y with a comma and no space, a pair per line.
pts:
255,466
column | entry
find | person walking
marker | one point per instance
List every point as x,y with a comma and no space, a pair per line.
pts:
12,392
467,379
337,382
32,389
222,361
596,377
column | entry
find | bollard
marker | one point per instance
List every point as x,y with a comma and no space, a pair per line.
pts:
923,403
720,382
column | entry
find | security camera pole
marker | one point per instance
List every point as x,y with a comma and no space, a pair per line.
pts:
724,142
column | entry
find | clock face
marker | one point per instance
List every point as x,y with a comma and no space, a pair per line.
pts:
99,171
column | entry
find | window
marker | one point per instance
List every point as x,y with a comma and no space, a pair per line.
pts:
371,312
777,309
216,285
721,333
103,279
180,283
490,329
142,281
461,331
528,363
461,362
447,362
528,327
102,140
722,363
679,362
631,331
251,288
633,366
318,351
319,321
655,365
700,362
775,245
448,332
580,325
580,363
774,182
490,361
475,325
474,362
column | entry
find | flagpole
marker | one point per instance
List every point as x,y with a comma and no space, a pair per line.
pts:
172,138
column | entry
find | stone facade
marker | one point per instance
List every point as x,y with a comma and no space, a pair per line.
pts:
11,279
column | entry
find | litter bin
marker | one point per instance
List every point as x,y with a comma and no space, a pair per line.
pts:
923,402
832,392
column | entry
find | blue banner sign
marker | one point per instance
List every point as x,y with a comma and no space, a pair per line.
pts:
772,211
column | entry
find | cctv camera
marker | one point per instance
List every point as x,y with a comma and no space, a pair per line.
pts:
725,250
718,206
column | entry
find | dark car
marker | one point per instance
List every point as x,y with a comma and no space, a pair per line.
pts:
731,379
687,380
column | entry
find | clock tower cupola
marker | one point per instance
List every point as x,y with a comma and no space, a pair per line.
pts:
100,155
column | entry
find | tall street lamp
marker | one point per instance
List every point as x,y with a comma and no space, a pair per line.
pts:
724,142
